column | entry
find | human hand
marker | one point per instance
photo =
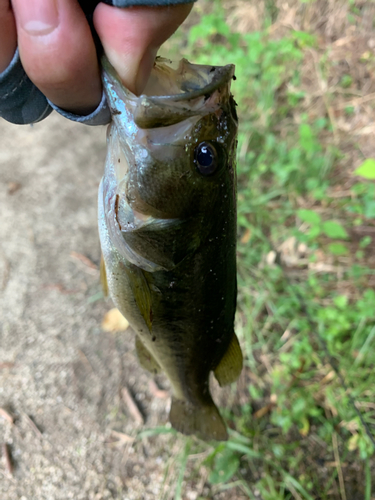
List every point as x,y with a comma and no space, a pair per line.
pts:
58,52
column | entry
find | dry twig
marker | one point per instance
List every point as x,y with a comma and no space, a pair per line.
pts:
88,264
33,426
132,406
6,415
121,439
7,459
156,391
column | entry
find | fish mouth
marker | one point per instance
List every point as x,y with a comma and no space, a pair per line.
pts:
173,93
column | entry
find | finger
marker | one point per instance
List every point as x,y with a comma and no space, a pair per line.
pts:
8,35
58,52
131,37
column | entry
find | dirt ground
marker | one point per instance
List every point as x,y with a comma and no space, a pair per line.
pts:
61,375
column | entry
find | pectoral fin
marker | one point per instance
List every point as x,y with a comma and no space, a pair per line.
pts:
164,241
146,359
230,366
141,292
103,277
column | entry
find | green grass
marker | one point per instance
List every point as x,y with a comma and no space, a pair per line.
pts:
306,303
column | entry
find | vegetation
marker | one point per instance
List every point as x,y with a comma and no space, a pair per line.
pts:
303,413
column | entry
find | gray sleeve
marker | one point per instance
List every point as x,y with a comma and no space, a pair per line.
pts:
101,115
22,103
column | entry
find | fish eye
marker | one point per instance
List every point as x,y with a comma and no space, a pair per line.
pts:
205,158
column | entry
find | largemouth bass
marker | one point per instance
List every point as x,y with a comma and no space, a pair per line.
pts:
167,223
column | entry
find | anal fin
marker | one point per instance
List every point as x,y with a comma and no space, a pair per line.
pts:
230,366
146,359
204,421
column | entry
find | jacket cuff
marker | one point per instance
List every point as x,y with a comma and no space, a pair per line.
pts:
101,115
20,101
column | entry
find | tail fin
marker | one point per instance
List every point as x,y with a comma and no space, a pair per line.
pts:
203,421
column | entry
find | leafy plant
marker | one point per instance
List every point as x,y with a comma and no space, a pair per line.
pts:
367,169
330,228
308,332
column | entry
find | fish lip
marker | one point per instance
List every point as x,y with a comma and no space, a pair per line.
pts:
154,111
220,76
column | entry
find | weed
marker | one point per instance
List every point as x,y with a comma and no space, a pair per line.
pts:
306,305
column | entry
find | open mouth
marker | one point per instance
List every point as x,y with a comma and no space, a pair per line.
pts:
173,93
183,80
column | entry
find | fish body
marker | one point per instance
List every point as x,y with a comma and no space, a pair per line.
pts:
167,224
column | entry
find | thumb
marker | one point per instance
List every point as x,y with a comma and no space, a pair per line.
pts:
131,37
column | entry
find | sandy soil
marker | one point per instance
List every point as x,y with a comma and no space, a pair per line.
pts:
60,375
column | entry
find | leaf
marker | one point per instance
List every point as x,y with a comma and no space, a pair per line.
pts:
334,230
304,426
226,465
367,169
309,216
370,210
314,232
114,321
341,301
307,140
365,241
353,442
338,249
182,461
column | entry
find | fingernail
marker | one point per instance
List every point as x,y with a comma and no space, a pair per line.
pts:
144,69
38,17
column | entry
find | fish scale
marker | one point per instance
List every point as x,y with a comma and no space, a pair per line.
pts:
167,224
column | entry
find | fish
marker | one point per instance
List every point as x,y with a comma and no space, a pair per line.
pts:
167,227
